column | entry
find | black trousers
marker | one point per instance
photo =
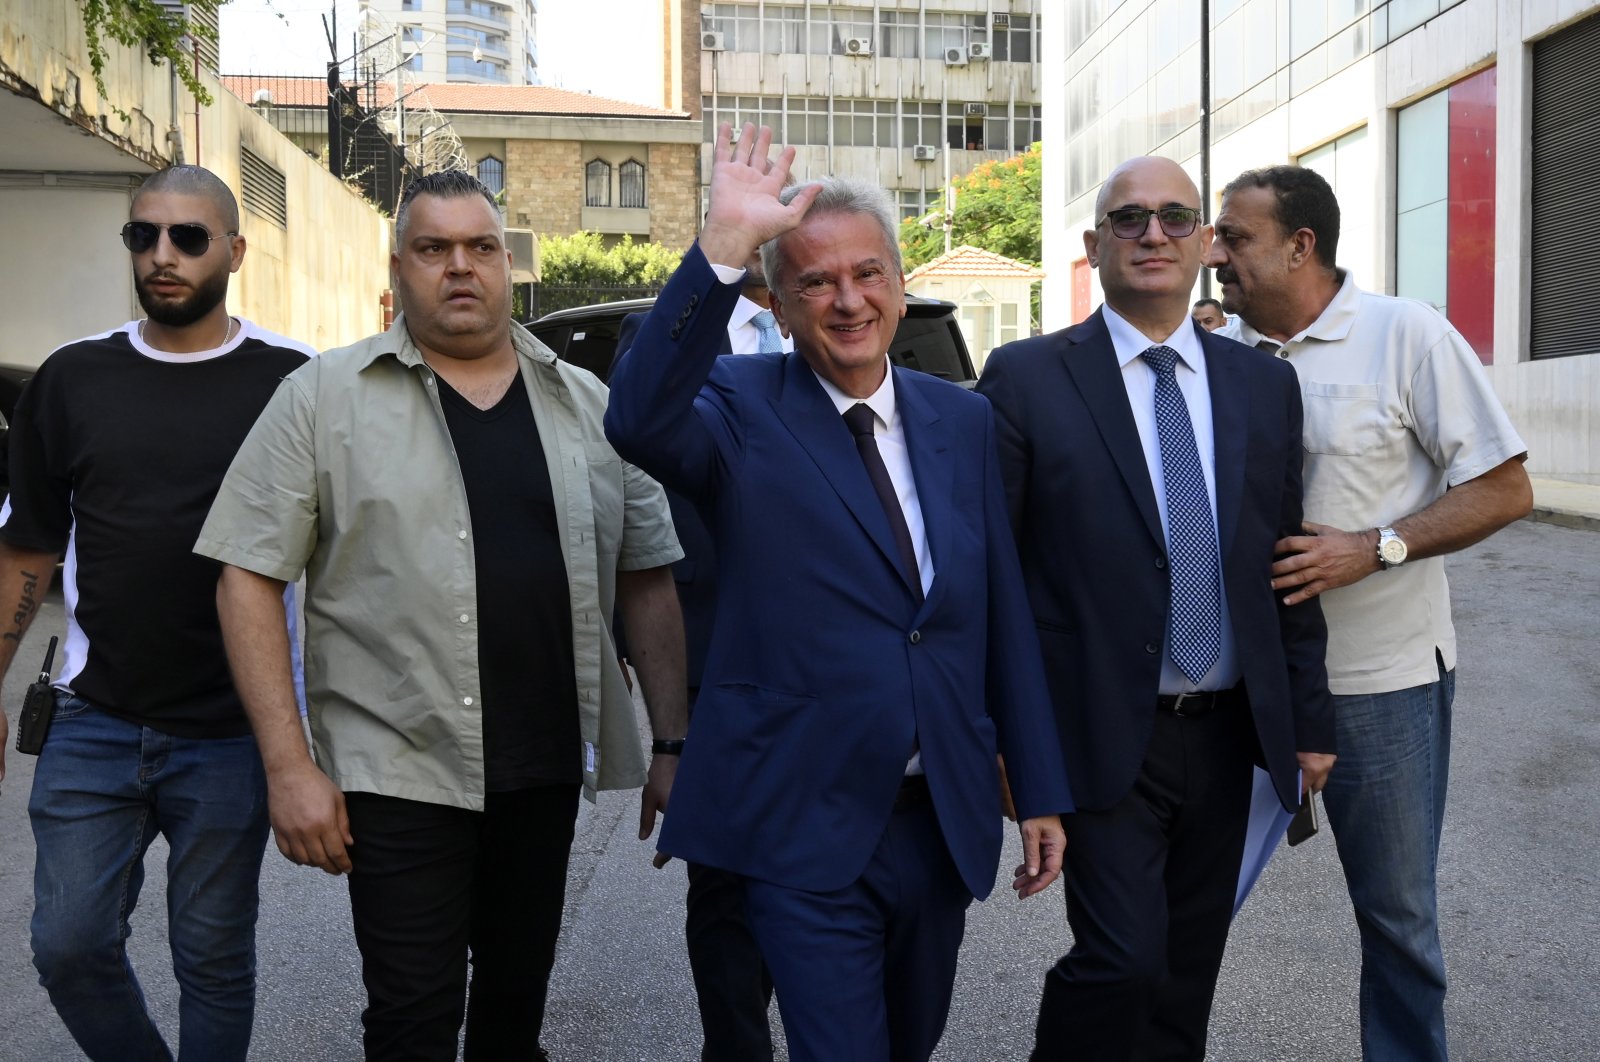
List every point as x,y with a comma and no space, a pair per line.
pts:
731,982
1150,886
430,885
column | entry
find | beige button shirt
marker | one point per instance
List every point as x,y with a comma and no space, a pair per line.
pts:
1397,409
350,476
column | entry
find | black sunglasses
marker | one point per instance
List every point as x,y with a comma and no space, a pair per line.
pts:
193,240
1131,222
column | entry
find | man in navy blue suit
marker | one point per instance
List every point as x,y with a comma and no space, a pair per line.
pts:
873,646
1150,466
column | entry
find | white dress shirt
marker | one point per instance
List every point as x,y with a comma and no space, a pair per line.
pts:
1140,380
743,336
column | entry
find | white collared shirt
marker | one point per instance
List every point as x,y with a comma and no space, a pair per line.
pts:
743,336
1140,381
1397,409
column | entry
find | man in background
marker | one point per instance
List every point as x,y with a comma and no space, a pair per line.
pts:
1208,314
1408,456
118,445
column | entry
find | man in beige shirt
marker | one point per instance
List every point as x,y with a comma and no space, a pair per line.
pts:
462,680
1408,456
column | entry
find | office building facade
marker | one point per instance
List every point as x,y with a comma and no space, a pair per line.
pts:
487,42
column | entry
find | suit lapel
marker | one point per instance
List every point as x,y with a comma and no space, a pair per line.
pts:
808,413
1092,362
928,444
1229,382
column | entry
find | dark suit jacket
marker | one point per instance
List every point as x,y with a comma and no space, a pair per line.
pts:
1095,559
696,574
823,667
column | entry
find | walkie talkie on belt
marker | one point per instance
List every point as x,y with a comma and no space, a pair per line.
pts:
38,708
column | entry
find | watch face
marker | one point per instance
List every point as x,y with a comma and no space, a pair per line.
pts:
1393,551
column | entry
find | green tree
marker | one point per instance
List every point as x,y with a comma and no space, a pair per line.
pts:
997,209
582,258
162,32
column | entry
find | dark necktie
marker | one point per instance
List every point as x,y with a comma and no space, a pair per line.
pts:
1196,617
859,419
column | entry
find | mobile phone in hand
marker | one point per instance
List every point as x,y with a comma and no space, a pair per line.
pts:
1304,823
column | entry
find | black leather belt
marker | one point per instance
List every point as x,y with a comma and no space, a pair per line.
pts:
913,792
1194,705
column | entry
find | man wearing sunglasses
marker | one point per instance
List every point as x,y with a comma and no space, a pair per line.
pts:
118,444
1150,466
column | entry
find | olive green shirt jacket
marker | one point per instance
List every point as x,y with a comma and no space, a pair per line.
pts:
350,477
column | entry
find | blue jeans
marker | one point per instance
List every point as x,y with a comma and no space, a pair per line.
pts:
102,790
1385,799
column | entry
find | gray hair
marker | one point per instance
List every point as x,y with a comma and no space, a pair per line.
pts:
443,184
839,195
194,181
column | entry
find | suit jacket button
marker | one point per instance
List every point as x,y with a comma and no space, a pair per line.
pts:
677,330
916,637
694,300
1161,564
1152,648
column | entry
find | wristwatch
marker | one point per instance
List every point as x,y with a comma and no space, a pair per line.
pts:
1391,549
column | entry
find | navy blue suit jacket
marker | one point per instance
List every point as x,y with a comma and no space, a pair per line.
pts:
1095,558
823,666
696,572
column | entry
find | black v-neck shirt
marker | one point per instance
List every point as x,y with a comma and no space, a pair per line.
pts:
525,664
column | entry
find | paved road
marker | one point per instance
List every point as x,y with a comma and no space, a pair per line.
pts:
1519,888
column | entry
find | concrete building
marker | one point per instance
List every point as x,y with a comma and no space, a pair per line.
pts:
562,161
1458,134
317,260
491,42
905,93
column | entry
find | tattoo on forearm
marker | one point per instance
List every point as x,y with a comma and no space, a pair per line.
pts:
27,604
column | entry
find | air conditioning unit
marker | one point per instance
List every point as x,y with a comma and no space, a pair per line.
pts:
1001,20
858,46
978,51
978,109
924,153
713,42
955,57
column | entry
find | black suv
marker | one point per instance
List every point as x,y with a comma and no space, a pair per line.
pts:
928,340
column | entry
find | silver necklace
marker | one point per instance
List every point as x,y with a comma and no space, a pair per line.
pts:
226,336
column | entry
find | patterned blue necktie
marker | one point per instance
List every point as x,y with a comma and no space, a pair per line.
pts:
769,342
1196,620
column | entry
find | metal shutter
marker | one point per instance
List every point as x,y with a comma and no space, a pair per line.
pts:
264,187
1566,193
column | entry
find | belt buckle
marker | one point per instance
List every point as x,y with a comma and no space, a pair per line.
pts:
1179,700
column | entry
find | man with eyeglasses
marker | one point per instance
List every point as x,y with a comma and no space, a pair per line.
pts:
118,445
1150,466
1408,456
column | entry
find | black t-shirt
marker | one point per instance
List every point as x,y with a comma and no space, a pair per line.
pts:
116,453
525,665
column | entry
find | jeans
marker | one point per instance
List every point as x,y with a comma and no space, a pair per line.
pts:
430,886
1385,799
102,790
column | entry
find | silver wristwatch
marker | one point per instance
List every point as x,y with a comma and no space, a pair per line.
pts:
1391,548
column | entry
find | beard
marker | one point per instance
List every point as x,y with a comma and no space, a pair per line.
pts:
183,310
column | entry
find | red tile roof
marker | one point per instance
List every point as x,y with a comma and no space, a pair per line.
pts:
966,261
458,99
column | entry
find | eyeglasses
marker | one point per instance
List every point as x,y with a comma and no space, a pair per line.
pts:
1131,223
193,240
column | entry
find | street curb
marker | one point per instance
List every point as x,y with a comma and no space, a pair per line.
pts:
1580,521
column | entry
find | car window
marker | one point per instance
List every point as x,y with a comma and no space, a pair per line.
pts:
932,345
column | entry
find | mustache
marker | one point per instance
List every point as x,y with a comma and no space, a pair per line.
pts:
1226,275
165,278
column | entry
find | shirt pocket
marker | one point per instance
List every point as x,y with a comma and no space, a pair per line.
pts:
606,494
1345,420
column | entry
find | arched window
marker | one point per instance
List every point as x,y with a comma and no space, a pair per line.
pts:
492,172
632,180
597,183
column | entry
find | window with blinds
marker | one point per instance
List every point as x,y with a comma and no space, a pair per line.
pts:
1565,245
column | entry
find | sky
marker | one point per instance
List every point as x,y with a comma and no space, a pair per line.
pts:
579,47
